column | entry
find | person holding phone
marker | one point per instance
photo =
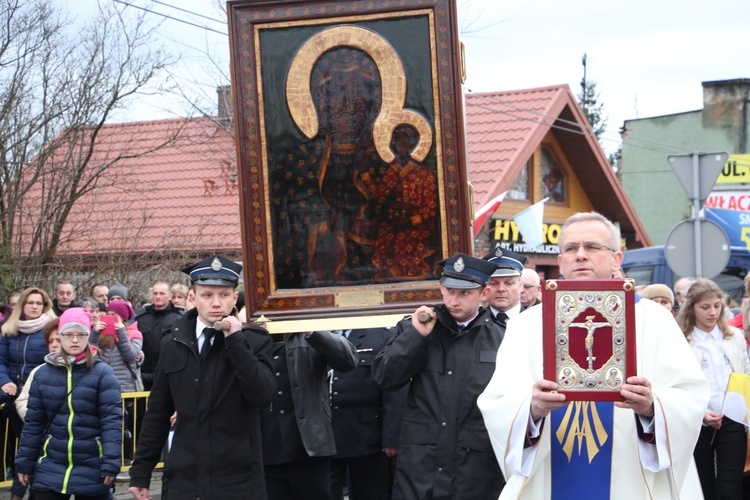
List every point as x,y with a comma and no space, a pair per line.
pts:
120,345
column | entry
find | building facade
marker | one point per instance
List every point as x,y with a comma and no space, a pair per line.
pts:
536,144
648,179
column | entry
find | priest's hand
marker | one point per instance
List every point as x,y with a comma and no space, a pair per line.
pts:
638,396
545,398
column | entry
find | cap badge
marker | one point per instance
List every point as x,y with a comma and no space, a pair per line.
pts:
216,265
498,252
459,266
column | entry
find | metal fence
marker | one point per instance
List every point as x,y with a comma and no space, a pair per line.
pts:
134,405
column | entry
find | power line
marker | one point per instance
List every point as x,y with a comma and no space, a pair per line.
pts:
580,129
585,130
188,11
170,17
577,127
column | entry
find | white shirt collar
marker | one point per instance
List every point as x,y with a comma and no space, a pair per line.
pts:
199,326
715,334
512,312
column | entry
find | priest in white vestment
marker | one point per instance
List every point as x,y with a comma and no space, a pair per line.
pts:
654,431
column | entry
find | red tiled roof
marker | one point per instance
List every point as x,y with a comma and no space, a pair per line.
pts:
503,129
179,196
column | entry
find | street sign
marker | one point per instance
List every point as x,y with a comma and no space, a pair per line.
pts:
680,249
709,166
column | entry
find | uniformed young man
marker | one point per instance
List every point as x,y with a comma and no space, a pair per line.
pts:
449,359
216,381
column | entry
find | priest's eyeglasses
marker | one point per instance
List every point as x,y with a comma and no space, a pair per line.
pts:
590,247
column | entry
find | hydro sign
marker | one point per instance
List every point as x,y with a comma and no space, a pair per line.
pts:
731,210
507,233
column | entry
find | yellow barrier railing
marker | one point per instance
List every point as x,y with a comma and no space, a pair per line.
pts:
10,443
134,405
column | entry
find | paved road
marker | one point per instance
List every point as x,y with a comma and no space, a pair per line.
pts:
121,492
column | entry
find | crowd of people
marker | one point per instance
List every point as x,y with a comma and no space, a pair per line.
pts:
450,403
110,332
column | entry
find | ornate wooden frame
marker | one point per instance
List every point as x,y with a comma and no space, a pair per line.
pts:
589,337
275,46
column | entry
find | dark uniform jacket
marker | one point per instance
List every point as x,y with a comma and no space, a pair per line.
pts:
297,424
445,449
153,324
216,449
366,419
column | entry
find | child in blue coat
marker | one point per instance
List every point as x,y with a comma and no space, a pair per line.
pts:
72,436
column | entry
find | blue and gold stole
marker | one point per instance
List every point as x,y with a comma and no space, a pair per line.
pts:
582,450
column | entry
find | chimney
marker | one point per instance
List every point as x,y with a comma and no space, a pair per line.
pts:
226,111
724,102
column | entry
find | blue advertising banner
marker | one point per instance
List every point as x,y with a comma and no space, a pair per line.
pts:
735,223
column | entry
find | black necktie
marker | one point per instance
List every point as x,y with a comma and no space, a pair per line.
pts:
208,334
502,318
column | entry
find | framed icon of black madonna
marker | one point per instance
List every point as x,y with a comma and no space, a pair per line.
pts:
351,153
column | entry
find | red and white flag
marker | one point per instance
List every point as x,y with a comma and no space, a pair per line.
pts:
480,217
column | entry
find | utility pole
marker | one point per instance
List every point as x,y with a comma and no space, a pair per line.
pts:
585,99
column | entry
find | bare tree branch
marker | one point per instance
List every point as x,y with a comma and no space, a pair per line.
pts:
59,85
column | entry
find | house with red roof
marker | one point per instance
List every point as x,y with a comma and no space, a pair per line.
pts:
168,195
536,144
174,189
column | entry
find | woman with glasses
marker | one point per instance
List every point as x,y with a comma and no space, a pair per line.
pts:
22,348
70,444
720,350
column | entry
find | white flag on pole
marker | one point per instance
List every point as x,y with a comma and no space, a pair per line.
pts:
529,222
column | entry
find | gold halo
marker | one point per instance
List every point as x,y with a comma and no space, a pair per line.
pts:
392,77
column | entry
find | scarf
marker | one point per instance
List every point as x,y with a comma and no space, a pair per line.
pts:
33,325
64,359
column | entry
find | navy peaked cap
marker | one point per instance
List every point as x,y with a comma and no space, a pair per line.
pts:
465,271
215,270
508,263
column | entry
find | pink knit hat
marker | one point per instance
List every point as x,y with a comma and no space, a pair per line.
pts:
75,317
122,308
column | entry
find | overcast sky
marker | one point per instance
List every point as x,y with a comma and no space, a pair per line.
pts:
648,58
